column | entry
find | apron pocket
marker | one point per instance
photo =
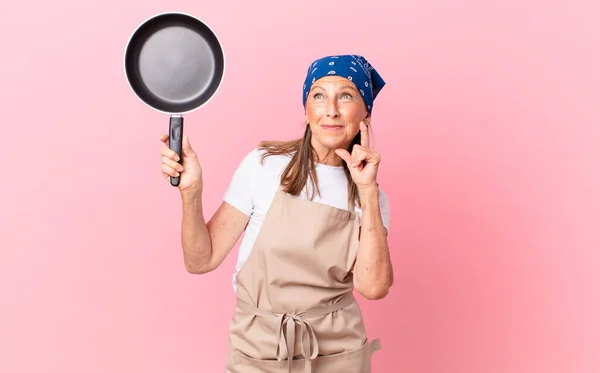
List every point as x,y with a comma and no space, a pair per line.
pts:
245,364
355,361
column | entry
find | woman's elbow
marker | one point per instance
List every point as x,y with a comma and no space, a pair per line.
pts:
196,269
373,292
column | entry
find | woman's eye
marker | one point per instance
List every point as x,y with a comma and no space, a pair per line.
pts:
343,95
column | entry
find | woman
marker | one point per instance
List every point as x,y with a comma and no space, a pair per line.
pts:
315,228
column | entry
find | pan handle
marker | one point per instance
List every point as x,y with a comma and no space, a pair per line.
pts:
175,140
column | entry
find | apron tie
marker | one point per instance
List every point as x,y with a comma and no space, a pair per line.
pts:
287,341
289,322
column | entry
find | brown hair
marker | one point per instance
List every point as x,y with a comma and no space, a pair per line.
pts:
295,176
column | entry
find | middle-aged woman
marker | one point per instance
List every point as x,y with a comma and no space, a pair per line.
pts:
315,224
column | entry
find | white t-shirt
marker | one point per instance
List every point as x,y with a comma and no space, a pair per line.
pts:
254,185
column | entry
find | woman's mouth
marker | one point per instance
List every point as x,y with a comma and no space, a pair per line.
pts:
331,127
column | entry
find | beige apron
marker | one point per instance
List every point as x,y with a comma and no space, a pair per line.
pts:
294,293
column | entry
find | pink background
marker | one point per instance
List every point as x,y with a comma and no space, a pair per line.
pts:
488,130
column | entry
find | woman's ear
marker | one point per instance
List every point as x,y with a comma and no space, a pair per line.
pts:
367,120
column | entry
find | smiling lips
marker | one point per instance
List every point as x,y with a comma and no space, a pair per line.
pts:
331,127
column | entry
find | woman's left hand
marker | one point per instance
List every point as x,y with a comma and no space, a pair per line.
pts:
363,162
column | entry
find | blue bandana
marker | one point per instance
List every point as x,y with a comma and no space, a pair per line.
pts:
353,67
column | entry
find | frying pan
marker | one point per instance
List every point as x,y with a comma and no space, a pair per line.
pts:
174,63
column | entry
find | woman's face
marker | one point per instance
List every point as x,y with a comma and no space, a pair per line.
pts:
334,110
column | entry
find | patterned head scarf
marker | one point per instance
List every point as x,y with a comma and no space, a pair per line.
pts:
354,67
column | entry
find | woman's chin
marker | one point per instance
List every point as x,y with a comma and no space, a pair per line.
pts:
332,141
332,145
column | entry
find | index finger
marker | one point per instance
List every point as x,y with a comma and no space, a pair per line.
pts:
364,135
164,139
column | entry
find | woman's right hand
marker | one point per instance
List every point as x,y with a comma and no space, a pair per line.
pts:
189,169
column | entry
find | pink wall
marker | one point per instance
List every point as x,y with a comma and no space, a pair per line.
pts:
489,134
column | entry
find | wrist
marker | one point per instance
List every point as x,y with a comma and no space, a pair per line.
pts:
369,193
191,194
370,188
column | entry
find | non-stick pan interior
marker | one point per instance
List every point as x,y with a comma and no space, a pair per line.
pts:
174,63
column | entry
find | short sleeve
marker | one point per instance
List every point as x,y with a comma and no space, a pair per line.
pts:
384,207
239,192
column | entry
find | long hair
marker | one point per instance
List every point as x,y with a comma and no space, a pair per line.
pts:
301,167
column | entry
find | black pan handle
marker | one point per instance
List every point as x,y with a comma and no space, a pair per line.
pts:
175,141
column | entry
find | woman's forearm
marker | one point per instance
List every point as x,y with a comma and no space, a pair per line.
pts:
195,237
373,273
